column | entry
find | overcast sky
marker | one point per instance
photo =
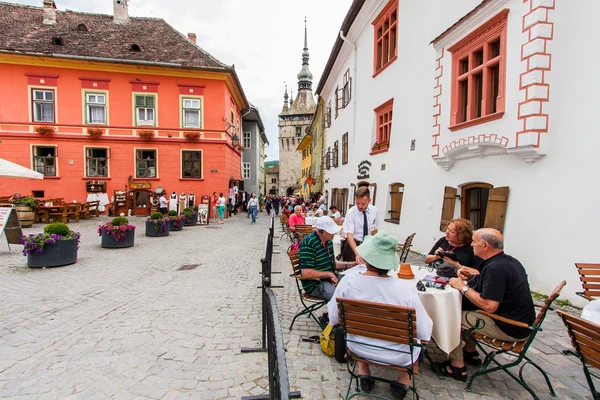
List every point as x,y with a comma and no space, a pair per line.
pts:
263,38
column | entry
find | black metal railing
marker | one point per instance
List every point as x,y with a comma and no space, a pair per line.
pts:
272,335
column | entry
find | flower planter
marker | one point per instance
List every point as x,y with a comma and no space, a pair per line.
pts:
151,230
191,221
173,228
109,242
63,252
26,215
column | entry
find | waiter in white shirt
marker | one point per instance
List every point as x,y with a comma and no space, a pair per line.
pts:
361,221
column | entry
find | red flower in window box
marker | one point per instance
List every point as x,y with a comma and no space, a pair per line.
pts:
192,136
145,134
45,130
95,133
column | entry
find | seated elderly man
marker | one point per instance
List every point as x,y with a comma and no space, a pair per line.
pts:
317,261
296,218
500,287
379,253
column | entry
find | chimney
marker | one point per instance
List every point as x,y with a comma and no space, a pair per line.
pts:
192,37
49,13
121,12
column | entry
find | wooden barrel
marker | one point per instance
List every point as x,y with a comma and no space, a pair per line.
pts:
26,215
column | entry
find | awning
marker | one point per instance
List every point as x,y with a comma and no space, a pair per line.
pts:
11,169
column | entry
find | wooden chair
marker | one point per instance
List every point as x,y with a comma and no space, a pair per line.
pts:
71,212
589,274
302,231
283,219
515,349
310,303
94,208
84,210
405,248
585,336
394,324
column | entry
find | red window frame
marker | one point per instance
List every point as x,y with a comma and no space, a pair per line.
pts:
385,37
478,61
383,126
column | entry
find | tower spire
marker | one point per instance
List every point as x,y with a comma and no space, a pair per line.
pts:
305,76
285,101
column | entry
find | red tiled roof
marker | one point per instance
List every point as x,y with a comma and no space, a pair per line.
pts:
22,31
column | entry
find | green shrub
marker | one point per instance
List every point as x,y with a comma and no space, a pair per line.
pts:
156,215
187,209
119,220
26,201
172,213
57,228
195,208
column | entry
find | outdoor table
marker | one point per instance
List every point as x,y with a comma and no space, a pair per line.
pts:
44,212
310,221
442,306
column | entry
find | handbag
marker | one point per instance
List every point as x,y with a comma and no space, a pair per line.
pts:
444,269
327,341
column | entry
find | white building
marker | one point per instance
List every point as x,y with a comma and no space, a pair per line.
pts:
254,141
506,139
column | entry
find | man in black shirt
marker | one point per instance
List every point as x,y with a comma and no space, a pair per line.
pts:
499,287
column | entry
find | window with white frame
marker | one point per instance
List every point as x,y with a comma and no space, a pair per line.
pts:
95,108
192,113
246,170
145,110
96,161
43,105
44,159
247,139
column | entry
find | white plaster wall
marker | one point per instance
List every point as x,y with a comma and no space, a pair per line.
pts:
553,203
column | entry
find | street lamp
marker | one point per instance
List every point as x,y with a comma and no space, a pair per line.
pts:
235,140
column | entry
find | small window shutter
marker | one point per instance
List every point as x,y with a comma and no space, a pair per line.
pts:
447,207
496,208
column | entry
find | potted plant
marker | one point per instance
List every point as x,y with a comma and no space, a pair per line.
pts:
117,234
146,134
26,207
44,130
191,217
55,247
95,133
175,221
191,136
157,225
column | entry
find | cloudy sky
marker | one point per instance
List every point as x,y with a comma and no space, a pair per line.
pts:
263,38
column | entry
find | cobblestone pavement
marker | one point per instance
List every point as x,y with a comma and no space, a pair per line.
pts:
125,323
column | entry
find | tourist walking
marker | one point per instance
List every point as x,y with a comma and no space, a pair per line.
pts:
268,203
276,201
253,207
222,202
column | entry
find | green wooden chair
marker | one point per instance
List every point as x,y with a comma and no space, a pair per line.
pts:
378,321
309,303
492,347
585,336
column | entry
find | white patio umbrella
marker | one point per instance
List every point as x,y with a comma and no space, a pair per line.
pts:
11,169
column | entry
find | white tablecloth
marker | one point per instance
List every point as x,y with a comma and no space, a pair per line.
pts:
101,197
310,220
442,306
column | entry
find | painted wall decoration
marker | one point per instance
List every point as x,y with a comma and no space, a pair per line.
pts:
363,169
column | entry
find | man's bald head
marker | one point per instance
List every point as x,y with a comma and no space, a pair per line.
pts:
491,236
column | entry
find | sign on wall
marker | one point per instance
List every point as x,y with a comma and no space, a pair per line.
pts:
364,168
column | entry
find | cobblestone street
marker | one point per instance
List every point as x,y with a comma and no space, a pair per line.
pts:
128,324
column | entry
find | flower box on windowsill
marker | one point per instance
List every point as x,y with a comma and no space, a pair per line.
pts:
45,130
380,148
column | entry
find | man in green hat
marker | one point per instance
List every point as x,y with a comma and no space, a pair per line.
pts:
375,285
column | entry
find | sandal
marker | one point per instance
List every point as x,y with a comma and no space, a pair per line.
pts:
366,384
472,358
399,390
460,374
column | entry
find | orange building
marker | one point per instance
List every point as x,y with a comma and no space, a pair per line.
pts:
105,103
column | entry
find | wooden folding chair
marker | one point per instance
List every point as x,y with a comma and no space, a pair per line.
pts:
585,336
394,324
589,274
302,231
283,219
515,349
405,248
310,303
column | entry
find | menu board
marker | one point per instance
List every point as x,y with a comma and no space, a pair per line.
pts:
203,214
10,226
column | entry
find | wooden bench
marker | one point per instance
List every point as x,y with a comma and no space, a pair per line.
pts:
64,213
89,208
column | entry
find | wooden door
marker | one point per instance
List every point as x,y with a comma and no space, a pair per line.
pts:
141,202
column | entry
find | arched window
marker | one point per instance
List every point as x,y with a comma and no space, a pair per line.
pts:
474,199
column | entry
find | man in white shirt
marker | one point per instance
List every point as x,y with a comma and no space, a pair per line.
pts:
253,207
374,285
335,213
361,221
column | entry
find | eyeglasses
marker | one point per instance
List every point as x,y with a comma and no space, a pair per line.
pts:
427,267
421,287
